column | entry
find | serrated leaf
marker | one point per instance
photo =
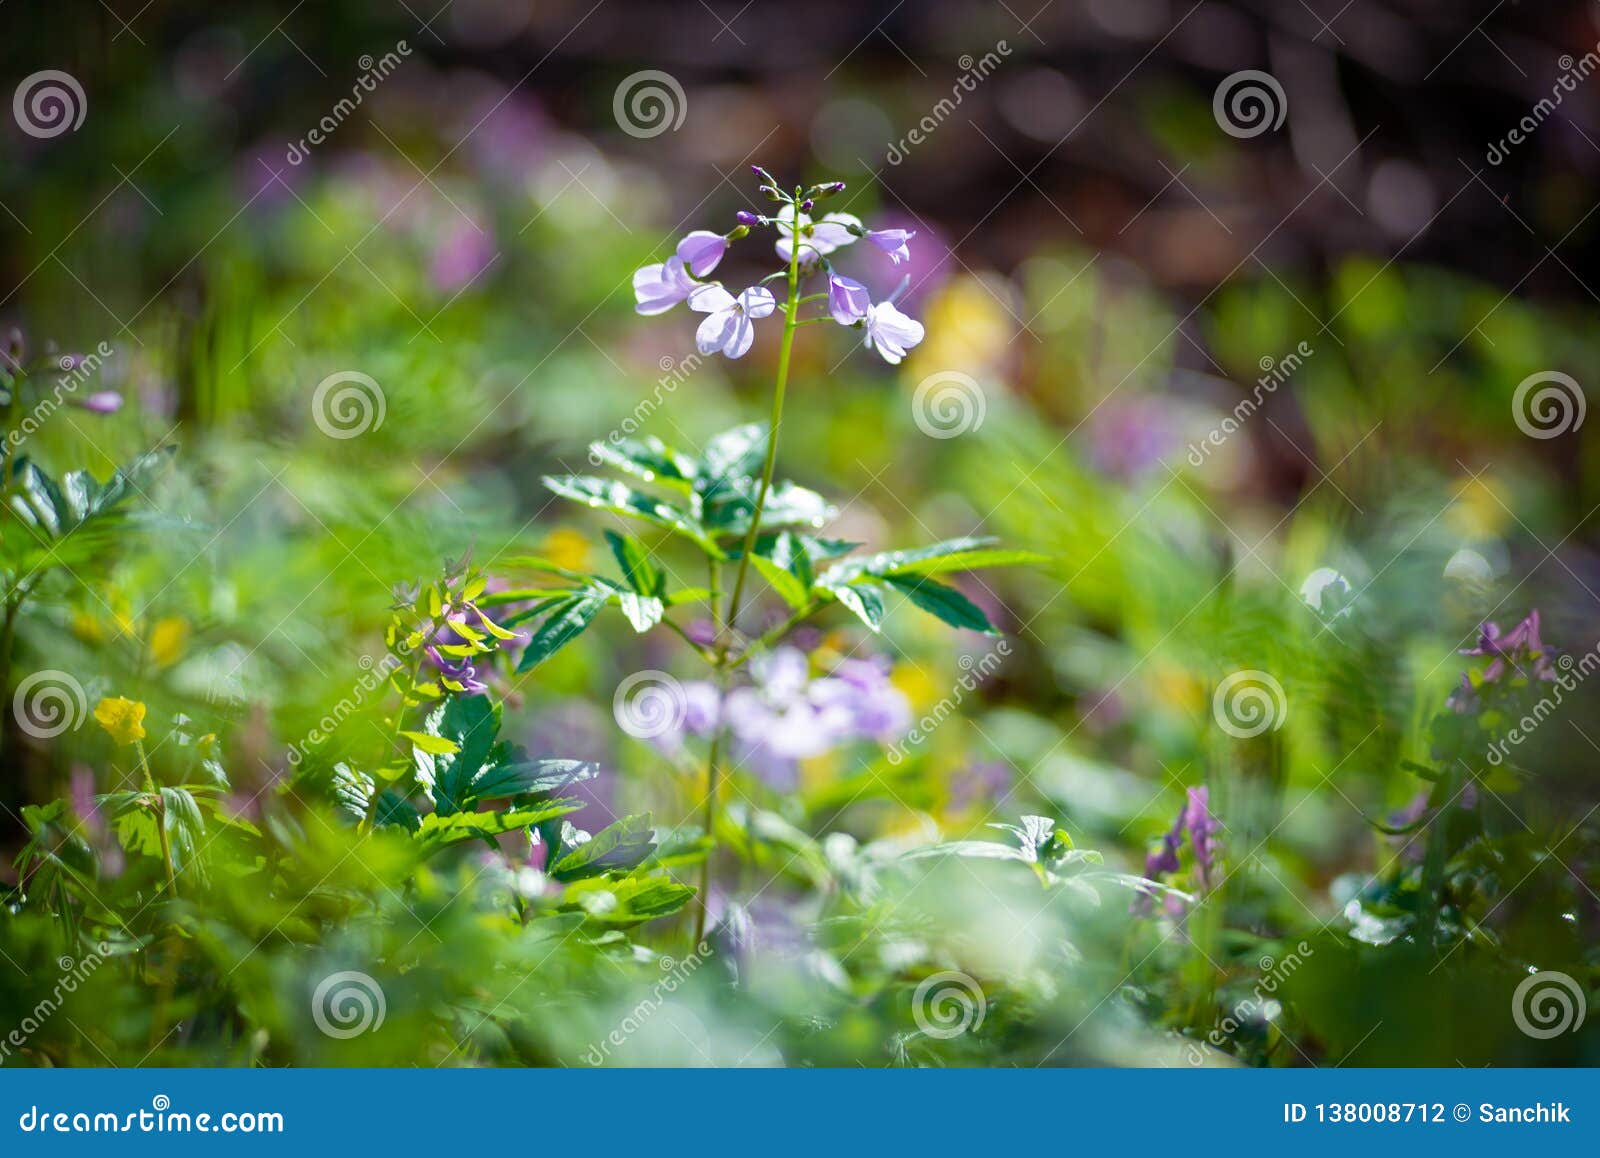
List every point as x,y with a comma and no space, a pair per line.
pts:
616,848
643,611
638,569
568,620
619,498
736,453
864,599
790,589
944,603
471,723
433,745
647,458
436,832
531,777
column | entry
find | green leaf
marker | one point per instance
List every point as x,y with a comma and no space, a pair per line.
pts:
433,745
471,723
736,453
945,603
647,458
627,901
864,599
567,621
531,777
643,611
617,848
791,589
638,569
437,832
609,495
965,554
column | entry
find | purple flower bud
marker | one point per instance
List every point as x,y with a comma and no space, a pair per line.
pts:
745,217
833,187
807,205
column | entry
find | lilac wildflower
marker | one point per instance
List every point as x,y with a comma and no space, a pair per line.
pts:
657,288
890,332
893,242
1201,827
817,238
702,250
848,300
728,329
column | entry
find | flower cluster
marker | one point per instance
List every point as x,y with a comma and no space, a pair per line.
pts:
806,244
786,716
1194,819
1517,654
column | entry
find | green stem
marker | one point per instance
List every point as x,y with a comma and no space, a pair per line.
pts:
725,623
790,320
151,787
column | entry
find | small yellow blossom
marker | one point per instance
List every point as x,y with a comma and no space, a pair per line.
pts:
123,718
169,638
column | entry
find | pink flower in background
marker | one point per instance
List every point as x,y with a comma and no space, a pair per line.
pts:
461,256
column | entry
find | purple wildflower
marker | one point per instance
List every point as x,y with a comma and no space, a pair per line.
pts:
1196,821
103,402
890,332
817,238
848,300
893,242
657,288
701,251
728,330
